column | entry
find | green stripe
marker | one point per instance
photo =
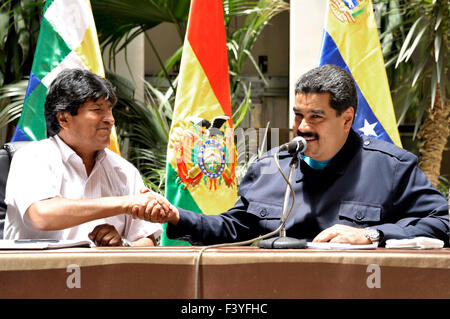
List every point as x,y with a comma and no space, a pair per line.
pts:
48,3
50,50
179,197
177,194
32,120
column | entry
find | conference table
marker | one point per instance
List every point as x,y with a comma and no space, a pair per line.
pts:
224,273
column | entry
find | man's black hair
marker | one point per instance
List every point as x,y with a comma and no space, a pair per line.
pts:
70,90
334,80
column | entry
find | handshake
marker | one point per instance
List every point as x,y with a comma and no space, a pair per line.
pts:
153,207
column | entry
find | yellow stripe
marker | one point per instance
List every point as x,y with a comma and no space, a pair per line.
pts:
89,52
195,97
114,144
360,48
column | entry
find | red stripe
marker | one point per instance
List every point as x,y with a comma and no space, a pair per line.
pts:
206,35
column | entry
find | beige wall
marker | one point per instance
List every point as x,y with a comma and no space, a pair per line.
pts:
166,40
307,19
130,64
273,42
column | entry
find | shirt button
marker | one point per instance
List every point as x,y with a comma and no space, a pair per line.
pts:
263,212
359,215
366,143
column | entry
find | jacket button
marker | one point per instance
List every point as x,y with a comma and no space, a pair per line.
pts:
263,212
359,215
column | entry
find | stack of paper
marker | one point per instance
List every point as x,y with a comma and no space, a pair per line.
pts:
42,244
415,243
339,246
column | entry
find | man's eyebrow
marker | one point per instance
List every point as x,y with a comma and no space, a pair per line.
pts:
315,111
100,104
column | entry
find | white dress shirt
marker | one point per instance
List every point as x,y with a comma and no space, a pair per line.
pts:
50,168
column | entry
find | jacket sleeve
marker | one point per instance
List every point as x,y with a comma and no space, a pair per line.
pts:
418,209
199,229
231,226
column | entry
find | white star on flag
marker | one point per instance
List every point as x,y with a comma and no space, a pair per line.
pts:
368,129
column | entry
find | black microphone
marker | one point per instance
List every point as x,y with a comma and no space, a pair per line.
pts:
298,144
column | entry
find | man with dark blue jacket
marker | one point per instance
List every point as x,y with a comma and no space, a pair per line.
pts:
348,188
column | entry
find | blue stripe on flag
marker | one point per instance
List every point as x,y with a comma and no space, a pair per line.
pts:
32,83
364,116
19,135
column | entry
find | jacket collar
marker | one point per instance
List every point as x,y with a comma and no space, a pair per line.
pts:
338,163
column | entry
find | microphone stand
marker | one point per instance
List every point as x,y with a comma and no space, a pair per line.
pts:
284,242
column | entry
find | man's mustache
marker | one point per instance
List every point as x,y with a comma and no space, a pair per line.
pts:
307,135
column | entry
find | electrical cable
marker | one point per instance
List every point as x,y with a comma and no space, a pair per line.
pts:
250,241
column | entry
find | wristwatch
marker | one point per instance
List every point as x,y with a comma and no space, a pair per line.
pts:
372,234
126,243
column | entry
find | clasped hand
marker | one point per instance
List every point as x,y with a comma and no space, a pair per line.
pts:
153,208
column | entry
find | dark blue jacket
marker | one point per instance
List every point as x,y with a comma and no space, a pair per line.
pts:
369,182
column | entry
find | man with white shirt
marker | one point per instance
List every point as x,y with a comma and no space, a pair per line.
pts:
69,186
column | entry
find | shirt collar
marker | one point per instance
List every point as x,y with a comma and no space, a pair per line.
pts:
67,152
338,163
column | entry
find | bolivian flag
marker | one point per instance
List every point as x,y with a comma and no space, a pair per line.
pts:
201,154
351,41
67,39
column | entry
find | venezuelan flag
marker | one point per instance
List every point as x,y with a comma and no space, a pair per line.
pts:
201,154
350,40
67,39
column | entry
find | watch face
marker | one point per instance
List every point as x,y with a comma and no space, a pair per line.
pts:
373,234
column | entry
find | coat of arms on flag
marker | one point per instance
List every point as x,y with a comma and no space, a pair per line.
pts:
201,155
343,10
205,153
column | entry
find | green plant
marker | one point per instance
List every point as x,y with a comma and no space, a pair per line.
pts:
444,186
19,28
119,22
143,127
415,46
12,96
143,132
116,34
242,39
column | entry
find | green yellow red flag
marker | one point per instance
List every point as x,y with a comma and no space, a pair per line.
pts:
201,155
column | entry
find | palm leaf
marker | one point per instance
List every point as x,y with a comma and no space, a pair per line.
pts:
145,127
241,111
11,101
405,47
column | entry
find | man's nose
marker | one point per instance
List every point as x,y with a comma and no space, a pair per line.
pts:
109,117
304,126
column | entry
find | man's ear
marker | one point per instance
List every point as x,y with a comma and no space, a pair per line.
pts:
63,119
348,116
